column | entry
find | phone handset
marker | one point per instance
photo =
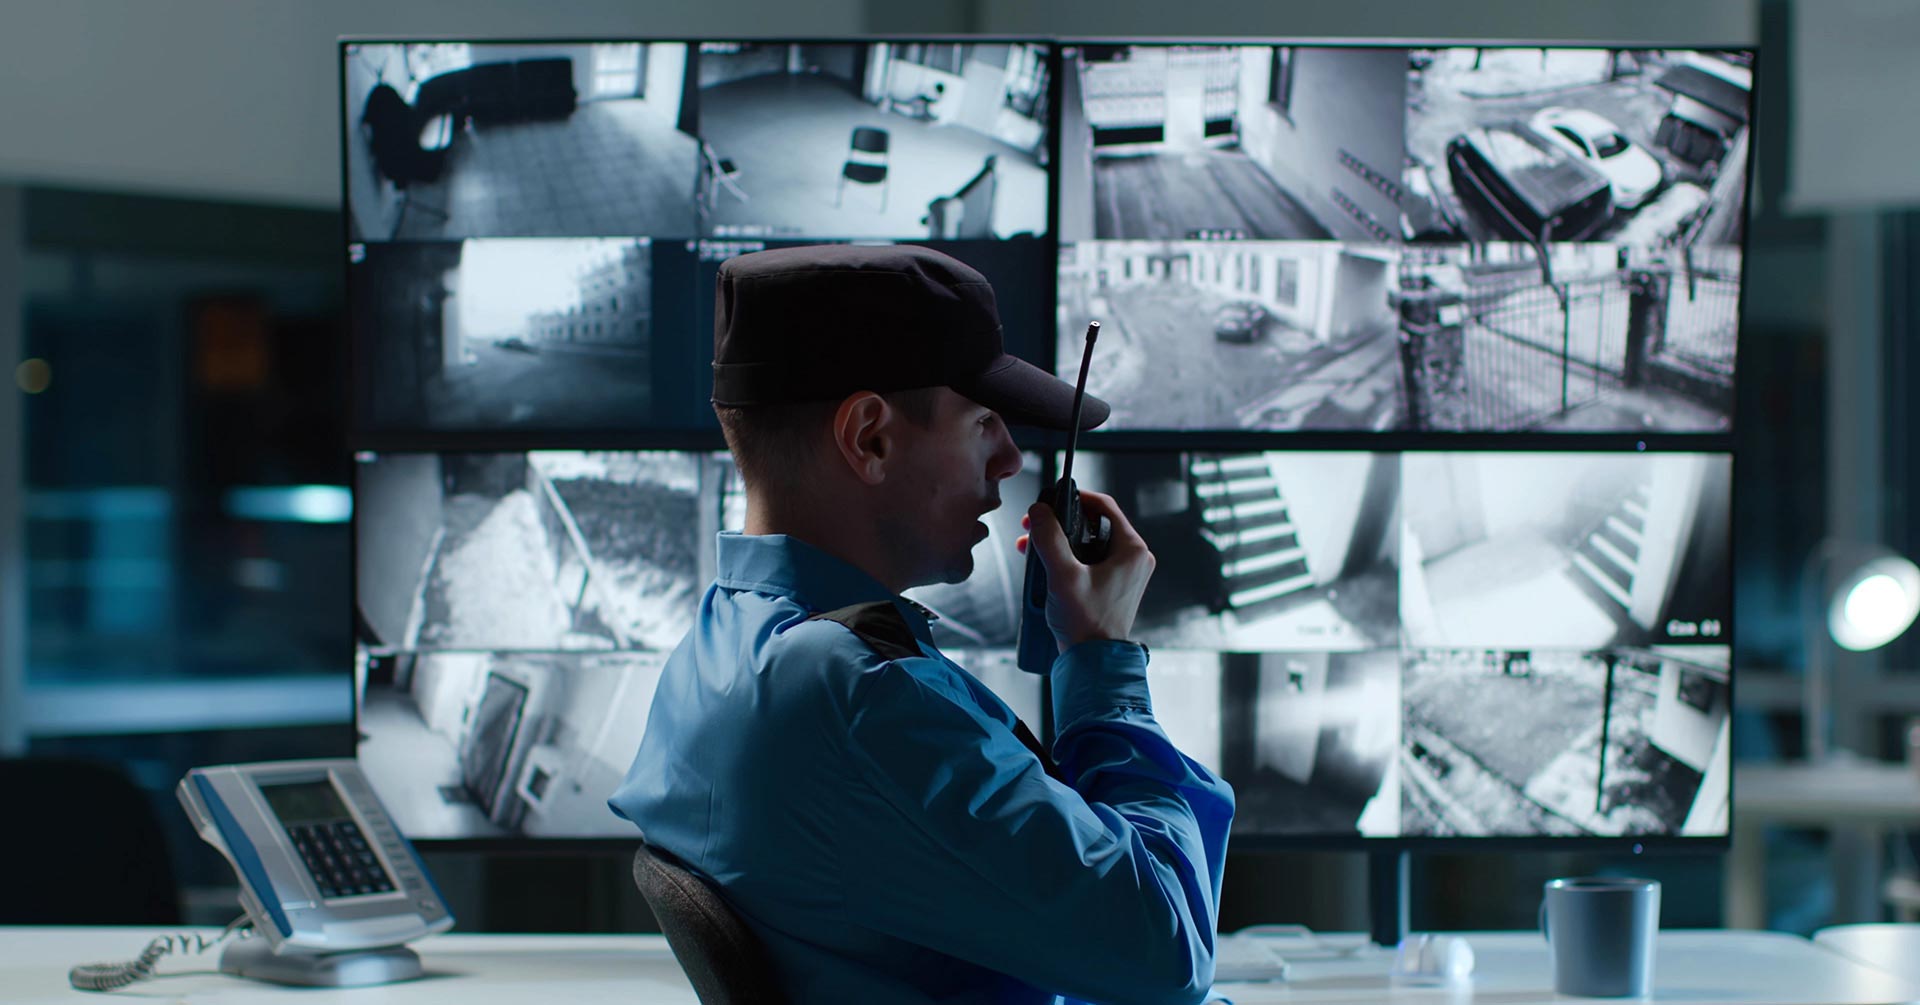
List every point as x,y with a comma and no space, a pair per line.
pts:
1089,539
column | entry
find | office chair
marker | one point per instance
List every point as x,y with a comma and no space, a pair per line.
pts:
866,162
722,957
716,173
88,847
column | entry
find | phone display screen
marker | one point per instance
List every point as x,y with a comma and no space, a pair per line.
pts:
305,802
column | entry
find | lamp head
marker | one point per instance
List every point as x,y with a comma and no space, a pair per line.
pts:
1872,600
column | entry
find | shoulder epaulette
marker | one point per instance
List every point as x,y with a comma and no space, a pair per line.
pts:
880,625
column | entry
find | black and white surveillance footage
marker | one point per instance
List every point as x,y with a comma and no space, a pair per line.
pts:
1644,147
504,744
885,140
1259,335
540,551
1261,551
1309,740
1590,338
452,140
1189,702
1530,742
1265,142
510,334
1564,550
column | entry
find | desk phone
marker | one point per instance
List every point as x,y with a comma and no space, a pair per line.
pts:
325,876
330,890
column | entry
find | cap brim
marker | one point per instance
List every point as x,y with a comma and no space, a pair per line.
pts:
1026,395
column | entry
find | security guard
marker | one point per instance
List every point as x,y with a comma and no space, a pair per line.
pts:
885,823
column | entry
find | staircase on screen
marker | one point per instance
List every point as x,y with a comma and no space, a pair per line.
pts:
1609,559
1245,518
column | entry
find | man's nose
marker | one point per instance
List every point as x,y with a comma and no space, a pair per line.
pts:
1006,458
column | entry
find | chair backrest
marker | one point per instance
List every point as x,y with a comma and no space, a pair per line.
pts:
722,957
93,853
869,140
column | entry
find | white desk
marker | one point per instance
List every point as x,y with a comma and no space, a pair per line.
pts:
1859,801
1893,948
1722,967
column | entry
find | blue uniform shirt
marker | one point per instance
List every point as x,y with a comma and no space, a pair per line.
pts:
876,819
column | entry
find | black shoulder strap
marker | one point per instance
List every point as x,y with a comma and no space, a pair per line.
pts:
881,626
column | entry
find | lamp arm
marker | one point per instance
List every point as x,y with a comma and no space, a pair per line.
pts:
1817,653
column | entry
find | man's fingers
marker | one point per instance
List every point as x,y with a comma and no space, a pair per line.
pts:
1048,537
1093,504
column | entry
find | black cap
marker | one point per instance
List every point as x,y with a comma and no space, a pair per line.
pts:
819,323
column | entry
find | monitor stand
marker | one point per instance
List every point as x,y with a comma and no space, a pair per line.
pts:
354,968
1387,895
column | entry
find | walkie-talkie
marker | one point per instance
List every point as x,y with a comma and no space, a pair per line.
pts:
1089,539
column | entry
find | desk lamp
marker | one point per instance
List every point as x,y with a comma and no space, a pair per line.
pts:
1857,597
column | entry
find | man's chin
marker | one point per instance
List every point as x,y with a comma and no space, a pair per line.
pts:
953,572
959,572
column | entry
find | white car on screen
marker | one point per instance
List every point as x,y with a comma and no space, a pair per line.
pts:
1633,172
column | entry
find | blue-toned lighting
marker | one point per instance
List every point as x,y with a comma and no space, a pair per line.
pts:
291,503
106,505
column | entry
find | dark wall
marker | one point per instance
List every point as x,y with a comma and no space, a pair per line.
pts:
753,61
833,61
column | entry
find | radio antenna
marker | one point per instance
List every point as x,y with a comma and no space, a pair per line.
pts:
1079,397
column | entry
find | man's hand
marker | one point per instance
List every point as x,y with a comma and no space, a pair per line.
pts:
1090,601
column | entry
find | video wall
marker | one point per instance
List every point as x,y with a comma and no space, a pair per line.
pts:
1421,364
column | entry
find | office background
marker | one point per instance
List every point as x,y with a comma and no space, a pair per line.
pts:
173,520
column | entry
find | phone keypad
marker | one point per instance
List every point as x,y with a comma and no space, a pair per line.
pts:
342,862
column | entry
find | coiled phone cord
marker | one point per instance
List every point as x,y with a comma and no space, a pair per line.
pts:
111,976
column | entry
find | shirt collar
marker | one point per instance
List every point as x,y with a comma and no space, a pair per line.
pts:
786,566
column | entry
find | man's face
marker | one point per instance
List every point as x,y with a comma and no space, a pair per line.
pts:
950,477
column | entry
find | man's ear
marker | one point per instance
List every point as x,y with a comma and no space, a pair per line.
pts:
864,433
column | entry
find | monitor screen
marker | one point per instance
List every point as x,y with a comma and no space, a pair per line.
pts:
516,610
1421,362
890,140
1431,644
492,740
541,551
1349,637
1458,742
534,227
1296,238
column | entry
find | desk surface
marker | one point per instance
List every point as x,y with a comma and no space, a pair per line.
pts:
1513,969
1893,948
